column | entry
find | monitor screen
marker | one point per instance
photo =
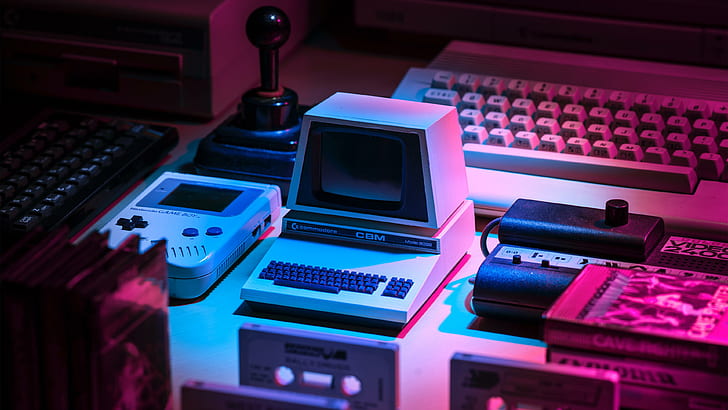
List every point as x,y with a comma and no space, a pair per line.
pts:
365,170
200,197
360,165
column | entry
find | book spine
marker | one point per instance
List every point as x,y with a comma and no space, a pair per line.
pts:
80,364
644,372
21,385
54,349
697,354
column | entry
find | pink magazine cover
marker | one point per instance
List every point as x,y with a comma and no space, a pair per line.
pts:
643,314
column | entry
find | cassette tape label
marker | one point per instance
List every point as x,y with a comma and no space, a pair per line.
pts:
480,382
358,370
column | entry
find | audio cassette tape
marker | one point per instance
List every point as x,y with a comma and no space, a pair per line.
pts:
199,395
482,382
363,372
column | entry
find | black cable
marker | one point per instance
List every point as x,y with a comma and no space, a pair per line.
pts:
484,236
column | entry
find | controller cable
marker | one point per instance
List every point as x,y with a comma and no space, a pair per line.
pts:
484,239
484,235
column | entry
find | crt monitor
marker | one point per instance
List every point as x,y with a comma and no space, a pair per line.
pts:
379,159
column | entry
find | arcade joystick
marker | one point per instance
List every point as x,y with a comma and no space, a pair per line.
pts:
270,106
259,142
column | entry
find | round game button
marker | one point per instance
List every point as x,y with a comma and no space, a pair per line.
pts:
214,231
190,232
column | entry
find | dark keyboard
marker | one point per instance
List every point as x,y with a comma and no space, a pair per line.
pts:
65,169
332,280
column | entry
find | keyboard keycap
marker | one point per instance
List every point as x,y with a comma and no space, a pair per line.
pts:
573,112
470,116
474,101
474,134
705,128
517,89
573,129
710,166
671,106
698,109
567,94
619,100
684,158
552,143
657,155
678,124
649,138
604,149
644,103
443,79
526,140
523,106
577,146
720,113
594,97
598,132
723,148
600,115
497,103
624,135
521,123
443,97
26,223
704,144
626,118
723,131
542,92
548,109
492,86
547,126
677,141
652,122
630,152
500,137
496,120
467,83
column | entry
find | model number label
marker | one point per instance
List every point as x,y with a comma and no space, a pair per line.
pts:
696,247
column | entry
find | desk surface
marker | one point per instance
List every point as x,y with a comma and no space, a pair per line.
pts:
203,333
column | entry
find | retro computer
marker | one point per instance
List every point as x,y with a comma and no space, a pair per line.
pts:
375,223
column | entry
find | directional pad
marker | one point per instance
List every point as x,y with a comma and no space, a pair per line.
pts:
136,221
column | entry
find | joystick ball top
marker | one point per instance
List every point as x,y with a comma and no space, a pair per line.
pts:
268,27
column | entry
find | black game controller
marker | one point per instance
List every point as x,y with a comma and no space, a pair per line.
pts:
527,271
544,246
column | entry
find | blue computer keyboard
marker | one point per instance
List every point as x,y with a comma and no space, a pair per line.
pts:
331,280
578,129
